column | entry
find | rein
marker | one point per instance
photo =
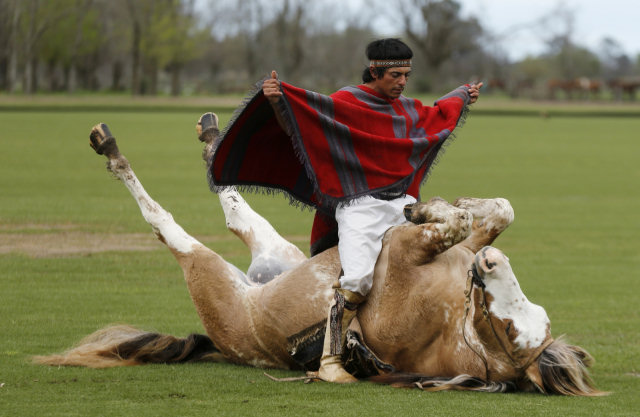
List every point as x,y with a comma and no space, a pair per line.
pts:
474,278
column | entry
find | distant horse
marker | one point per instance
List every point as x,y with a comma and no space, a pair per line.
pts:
624,86
445,311
582,88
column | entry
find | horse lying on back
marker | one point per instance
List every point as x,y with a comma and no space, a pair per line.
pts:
445,311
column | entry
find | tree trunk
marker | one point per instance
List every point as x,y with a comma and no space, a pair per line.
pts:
66,75
12,66
72,77
175,80
34,76
152,73
4,69
116,76
51,76
135,61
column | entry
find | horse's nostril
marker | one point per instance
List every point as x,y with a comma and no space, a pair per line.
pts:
407,211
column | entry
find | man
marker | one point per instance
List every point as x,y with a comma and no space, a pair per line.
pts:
362,154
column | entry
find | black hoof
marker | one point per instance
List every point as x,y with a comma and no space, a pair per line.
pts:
101,140
207,128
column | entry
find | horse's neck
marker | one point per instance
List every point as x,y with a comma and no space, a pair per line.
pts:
417,310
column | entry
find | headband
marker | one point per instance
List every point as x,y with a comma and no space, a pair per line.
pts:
385,63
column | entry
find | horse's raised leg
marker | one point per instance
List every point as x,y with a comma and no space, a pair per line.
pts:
438,226
160,220
271,254
217,288
490,218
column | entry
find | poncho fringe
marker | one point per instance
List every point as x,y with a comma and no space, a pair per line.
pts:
315,197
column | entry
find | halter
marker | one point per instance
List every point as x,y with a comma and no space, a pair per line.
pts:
474,278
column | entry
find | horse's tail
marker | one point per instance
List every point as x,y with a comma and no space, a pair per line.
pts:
458,383
128,346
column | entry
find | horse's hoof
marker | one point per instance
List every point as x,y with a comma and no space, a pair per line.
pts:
101,140
207,128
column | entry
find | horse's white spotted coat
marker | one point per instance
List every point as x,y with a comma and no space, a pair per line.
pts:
242,219
447,223
530,320
323,275
160,220
494,214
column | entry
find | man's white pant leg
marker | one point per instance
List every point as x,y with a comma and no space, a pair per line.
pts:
361,226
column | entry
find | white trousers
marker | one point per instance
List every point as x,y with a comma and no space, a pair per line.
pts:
361,226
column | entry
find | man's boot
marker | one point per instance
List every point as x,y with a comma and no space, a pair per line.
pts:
343,309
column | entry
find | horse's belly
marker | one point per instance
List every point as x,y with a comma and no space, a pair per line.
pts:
291,303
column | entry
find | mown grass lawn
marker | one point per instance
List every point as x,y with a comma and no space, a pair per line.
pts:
573,182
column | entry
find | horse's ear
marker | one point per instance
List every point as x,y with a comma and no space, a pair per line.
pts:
533,374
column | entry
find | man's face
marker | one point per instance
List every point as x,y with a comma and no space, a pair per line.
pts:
392,82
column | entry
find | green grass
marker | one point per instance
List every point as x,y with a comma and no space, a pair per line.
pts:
573,182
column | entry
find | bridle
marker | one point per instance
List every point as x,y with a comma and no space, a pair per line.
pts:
473,278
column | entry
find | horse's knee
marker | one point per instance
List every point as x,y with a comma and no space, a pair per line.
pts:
436,210
451,223
490,218
491,214
446,226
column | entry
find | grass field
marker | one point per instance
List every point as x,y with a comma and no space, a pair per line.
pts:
75,255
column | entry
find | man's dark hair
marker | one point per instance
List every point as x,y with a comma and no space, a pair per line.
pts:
389,48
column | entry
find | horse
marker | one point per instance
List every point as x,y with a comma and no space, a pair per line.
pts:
445,312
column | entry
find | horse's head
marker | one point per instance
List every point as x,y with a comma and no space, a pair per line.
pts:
515,333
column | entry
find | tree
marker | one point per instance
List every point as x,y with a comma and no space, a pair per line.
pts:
290,35
9,17
615,61
72,43
35,19
436,28
175,37
138,10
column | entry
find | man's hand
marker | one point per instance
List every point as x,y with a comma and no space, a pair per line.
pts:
474,92
271,88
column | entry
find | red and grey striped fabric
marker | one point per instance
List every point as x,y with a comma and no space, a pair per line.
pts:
339,147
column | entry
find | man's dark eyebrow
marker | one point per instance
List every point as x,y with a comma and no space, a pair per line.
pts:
396,73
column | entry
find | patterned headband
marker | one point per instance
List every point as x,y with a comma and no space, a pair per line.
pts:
385,63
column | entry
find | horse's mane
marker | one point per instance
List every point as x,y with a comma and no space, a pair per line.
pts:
563,368
458,383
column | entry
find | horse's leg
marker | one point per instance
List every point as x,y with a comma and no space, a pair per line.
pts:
160,220
271,254
438,226
490,218
217,288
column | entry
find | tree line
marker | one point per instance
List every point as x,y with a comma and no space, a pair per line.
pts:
176,47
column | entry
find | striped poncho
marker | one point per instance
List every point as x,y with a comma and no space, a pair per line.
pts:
334,149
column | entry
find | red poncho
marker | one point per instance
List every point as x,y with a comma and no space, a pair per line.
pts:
337,148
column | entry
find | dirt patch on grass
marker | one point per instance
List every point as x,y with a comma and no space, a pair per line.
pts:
65,240
74,243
